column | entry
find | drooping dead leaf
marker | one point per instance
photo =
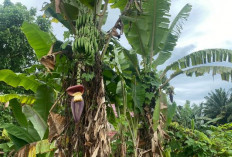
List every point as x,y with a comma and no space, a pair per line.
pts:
154,142
102,135
23,152
49,60
162,132
56,125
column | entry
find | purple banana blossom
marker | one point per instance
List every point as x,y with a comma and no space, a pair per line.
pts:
77,109
77,102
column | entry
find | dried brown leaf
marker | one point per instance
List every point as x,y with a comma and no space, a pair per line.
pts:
56,125
88,144
163,106
154,142
27,151
59,153
23,152
95,152
48,61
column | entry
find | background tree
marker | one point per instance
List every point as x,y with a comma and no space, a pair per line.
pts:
187,114
211,141
219,105
15,52
184,115
216,110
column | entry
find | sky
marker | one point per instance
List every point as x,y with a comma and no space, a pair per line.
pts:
209,26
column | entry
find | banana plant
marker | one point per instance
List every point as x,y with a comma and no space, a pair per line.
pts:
110,74
30,111
153,36
31,120
132,87
84,20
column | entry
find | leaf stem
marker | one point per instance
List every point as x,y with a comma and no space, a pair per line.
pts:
102,15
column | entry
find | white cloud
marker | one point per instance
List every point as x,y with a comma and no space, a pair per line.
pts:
209,26
214,30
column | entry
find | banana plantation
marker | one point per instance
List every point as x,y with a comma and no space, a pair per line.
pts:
89,96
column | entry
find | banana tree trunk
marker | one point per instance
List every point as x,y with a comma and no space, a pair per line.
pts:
90,137
96,130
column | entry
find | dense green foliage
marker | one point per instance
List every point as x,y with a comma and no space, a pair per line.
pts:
186,114
6,115
15,52
30,126
196,132
213,141
215,110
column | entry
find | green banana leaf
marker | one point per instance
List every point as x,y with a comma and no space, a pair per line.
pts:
37,121
45,97
15,80
39,40
18,114
23,99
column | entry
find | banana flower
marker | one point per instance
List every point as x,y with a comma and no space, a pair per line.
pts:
77,102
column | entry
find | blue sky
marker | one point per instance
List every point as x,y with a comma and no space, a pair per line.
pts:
209,26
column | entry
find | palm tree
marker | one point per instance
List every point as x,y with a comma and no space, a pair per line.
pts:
218,105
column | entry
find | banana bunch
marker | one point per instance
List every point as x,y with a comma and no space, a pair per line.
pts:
86,41
83,20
